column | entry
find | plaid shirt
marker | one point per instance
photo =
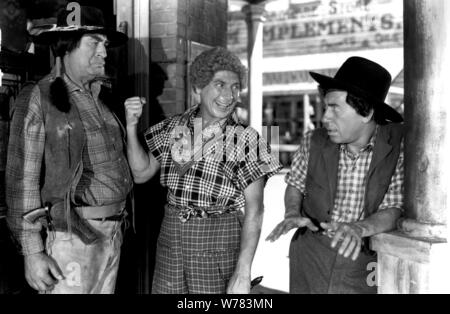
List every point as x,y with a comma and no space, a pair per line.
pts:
106,178
352,171
211,181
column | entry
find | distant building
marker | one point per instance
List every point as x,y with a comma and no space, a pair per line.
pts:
318,36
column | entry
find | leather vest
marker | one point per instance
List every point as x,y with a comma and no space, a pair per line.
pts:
321,179
64,144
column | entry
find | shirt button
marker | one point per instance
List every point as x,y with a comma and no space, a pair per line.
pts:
188,187
125,180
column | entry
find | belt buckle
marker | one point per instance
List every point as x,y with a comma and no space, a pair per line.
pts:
184,216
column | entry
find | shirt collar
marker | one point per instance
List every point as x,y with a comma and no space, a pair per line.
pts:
194,112
367,148
94,86
71,86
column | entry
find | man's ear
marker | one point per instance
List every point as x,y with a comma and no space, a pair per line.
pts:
369,117
197,94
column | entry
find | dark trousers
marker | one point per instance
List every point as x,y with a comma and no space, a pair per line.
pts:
317,268
12,280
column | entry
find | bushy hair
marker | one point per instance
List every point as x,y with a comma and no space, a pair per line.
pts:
58,90
214,60
66,43
361,106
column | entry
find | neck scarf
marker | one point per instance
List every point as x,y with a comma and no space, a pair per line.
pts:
190,140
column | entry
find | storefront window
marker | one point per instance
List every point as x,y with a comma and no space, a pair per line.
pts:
294,115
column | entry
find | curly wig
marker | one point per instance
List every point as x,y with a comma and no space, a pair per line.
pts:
214,60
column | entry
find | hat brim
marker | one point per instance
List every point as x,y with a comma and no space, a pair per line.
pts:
49,36
382,109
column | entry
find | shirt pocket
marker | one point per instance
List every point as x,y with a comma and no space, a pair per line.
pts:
97,145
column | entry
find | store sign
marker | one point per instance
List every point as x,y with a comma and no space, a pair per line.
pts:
329,26
292,77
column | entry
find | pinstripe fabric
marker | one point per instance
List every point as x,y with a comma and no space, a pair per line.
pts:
198,256
352,171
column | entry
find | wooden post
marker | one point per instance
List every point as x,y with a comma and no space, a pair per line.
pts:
254,18
427,68
136,16
415,259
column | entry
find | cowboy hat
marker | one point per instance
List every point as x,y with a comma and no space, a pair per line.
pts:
91,21
365,79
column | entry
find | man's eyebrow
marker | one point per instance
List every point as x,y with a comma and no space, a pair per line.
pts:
218,80
98,37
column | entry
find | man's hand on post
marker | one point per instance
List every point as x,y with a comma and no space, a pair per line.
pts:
291,221
350,235
42,272
133,110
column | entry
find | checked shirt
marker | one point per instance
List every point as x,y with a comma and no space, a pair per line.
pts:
106,178
200,255
243,158
352,171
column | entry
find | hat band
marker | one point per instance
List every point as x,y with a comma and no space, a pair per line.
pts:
72,28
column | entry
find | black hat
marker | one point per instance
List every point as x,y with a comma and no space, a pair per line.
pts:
91,21
365,79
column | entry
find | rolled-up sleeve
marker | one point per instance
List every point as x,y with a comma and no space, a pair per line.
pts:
157,137
23,168
394,195
296,177
255,157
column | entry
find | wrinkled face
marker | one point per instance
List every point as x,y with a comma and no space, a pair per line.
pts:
343,123
218,99
88,60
